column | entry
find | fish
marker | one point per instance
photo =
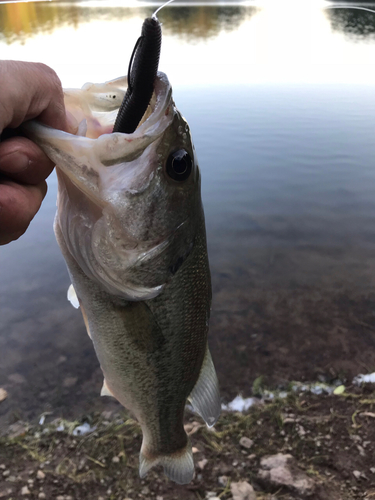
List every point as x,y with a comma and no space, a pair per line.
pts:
130,225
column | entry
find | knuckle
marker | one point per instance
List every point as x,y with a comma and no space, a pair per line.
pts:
51,78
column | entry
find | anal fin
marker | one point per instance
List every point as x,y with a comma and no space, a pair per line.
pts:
205,397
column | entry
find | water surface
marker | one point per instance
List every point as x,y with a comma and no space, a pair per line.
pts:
281,103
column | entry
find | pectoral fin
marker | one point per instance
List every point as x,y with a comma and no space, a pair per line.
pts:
105,390
72,297
74,300
205,397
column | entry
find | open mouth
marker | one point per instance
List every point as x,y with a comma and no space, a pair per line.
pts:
96,106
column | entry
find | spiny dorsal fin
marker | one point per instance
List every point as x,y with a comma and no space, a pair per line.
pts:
205,397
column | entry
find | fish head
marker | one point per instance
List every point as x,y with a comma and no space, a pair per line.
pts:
156,189
129,205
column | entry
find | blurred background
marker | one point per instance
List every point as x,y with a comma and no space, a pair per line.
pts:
280,98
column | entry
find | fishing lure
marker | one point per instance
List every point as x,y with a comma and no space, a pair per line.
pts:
143,67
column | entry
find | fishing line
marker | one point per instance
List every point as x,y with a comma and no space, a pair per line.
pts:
159,8
348,6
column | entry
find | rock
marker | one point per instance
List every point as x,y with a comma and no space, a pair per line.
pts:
17,378
224,468
16,430
107,414
116,460
301,431
222,480
60,497
25,491
194,449
40,474
42,495
3,394
242,491
69,381
192,427
61,359
245,442
159,497
282,470
6,473
372,469
202,463
357,474
361,450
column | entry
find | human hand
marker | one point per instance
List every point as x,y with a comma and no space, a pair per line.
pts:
28,90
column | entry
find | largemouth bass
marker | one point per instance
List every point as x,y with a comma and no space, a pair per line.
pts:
130,225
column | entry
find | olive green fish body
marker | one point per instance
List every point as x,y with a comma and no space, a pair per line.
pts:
131,227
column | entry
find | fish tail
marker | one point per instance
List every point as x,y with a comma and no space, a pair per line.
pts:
178,466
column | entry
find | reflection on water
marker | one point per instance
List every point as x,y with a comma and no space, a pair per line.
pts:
20,21
281,104
204,22
352,22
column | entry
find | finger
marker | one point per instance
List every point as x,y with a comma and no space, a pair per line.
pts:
18,206
22,160
32,90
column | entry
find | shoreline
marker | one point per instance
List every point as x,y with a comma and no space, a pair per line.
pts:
330,437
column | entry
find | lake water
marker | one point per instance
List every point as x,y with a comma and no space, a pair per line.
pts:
280,98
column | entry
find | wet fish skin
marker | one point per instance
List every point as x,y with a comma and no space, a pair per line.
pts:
135,245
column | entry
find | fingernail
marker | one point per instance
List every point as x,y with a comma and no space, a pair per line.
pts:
71,122
14,162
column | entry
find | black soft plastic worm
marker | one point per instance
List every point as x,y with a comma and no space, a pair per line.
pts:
143,67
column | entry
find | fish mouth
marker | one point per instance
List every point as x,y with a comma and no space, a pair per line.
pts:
113,156
118,147
96,106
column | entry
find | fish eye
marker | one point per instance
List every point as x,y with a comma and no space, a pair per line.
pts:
179,165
